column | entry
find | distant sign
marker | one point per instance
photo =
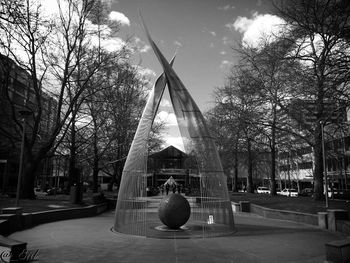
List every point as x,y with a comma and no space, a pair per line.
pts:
3,161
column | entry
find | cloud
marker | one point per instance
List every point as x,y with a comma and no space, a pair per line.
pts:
146,72
140,46
119,17
206,30
165,103
168,117
225,64
176,141
177,43
257,28
107,41
241,24
109,44
226,7
223,52
226,41
50,7
145,49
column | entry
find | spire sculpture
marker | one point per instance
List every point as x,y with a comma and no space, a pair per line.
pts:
211,212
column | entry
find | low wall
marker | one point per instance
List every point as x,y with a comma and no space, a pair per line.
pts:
343,226
38,218
27,220
284,215
4,227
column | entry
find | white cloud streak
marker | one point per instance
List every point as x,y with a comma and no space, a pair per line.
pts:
119,17
225,64
146,72
258,27
140,46
168,117
226,7
178,43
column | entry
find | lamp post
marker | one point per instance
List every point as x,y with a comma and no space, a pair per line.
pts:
324,162
23,114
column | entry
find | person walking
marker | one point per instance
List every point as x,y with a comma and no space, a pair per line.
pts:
179,188
167,189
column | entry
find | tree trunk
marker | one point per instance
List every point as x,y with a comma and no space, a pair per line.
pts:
318,173
95,168
250,188
235,179
30,171
273,156
95,171
72,158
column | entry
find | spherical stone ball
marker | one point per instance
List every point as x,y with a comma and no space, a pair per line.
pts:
174,211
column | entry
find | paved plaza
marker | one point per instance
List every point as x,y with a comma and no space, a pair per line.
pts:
257,239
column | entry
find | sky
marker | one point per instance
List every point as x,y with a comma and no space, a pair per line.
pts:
201,32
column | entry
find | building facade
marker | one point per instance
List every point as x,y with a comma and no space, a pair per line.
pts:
171,162
17,97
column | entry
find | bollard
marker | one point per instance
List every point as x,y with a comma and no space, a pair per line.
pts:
245,206
322,220
333,215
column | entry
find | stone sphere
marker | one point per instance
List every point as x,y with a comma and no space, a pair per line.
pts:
174,211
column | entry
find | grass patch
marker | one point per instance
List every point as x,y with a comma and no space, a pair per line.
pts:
301,204
44,203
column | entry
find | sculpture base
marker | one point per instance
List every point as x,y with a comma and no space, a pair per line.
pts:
194,229
168,229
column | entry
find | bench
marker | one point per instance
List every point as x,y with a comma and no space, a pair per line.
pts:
338,251
15,247
12,210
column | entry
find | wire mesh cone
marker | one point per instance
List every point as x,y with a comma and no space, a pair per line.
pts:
211,212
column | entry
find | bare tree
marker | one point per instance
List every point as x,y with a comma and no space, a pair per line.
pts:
237,104
318,32
273,75
227,134
53,51
114,107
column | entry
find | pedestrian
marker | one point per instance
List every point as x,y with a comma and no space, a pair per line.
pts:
167,189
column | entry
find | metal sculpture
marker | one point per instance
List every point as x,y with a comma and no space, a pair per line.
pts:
211,210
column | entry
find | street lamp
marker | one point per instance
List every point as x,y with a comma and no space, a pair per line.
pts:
324,162
23,114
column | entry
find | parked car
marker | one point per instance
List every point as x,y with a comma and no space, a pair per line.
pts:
55,191
335,194
306,192
263,190
289,192
39,192
151,191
